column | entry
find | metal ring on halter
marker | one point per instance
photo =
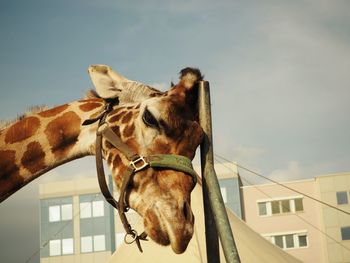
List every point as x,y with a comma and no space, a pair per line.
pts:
134,236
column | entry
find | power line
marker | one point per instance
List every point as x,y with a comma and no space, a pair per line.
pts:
301,218
45,243
287,187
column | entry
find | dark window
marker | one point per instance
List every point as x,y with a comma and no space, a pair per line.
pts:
262,209
289,241
302,241
275,207
298,204
345,233
279,241
342,198
285,206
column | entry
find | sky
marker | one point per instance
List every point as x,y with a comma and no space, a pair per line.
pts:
278,72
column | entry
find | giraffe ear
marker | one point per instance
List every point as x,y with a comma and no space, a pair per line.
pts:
110,84
107,82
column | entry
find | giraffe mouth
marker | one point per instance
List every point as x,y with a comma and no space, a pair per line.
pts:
169,228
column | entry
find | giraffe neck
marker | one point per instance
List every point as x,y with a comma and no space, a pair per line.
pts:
40,142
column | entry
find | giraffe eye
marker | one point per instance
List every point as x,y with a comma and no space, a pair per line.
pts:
149,119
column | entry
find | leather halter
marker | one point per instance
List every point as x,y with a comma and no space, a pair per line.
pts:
136,164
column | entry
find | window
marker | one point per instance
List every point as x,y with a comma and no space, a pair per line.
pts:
275,207
85,210
59,247
60,212
345,233
262,209
97,208
89,209
67,246
279,241
302,240
93,243
99,243
285,206
55,247
342,198
223,194
298,204
66,212
54,213
289,241
86,244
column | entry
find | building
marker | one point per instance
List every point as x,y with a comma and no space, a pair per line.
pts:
303,227
334,189
78,225
287,219
230,184
75,222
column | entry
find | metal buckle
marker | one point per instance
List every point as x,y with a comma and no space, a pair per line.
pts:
135,164
133,235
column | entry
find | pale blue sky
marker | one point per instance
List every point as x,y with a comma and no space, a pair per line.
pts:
279,72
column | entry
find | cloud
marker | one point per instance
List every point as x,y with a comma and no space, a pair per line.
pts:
291,173
246,154
286,92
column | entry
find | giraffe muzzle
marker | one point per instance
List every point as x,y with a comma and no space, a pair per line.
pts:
170,224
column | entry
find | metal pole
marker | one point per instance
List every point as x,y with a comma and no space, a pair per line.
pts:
111,216
211,189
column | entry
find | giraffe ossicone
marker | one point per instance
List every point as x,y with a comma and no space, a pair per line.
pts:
147,120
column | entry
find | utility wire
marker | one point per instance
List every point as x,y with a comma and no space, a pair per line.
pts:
300,217
45,243
285,186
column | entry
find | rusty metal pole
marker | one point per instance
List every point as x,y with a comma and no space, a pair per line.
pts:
216,219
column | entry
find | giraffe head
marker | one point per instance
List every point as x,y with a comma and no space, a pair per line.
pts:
154,122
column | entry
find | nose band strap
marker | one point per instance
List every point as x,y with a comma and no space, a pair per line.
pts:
174,162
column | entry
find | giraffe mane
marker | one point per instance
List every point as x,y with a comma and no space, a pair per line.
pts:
31,110
91,94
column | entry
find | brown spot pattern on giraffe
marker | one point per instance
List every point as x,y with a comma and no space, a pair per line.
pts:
34,158
115,118
127,117
54,111
116,130
128,130
63,133
9,173
89,106
116,115
117,110
117,161
22,130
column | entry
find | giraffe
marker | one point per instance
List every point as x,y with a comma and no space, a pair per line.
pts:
147,120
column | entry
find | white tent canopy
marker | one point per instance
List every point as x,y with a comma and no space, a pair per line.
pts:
251,246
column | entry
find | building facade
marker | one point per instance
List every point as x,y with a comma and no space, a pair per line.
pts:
334,189
288,220
75,222
78,225
303,227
